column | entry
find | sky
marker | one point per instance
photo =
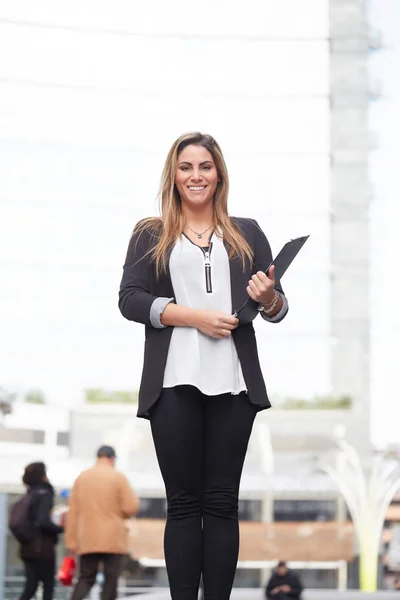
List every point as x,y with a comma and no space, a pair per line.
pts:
91,97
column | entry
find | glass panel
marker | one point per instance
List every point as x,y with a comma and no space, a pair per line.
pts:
152,508
63,438
318,578
250,510
304,510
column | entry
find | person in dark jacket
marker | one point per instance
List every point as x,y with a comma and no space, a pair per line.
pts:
38,555
284,584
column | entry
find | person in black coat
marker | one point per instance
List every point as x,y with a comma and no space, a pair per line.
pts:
284,584
38,555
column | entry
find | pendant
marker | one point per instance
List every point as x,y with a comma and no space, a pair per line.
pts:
199,235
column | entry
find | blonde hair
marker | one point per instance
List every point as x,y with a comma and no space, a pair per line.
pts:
169,226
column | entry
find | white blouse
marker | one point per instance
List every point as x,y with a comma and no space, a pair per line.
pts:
201,280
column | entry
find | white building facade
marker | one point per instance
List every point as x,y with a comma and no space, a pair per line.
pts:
88,116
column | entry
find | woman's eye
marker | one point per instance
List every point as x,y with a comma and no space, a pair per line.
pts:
184,168
207,167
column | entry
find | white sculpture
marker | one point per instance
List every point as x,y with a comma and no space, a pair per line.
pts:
367,498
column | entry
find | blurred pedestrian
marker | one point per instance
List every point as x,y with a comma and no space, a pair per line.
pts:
101,500
31,517
284,584
184,274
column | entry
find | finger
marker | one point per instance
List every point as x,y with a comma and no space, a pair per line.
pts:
224,325
256,280
225,332
230,319
255,289
271,273
229,326
260,286
220,334
263,287
251,294
261,276
262,282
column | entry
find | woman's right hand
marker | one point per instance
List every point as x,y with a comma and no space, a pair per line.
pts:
214,323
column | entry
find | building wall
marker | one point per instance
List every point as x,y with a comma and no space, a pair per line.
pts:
87,119
350,207
385,212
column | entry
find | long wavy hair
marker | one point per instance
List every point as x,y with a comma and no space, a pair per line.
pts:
167,228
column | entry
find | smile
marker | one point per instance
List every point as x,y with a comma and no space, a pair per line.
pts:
196,188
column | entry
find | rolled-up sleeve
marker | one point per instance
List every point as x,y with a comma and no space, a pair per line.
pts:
135,299
280,315
157,309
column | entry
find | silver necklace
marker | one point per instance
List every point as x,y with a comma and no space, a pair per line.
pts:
199,235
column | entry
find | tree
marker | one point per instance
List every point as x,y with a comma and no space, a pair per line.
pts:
318,403
6,400
100,396
35,397
368,496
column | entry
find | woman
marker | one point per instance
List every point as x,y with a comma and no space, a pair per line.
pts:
185,274
38,555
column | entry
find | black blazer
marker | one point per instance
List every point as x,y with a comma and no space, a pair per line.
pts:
140,287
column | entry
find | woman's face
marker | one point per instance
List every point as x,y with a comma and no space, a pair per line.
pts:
196,176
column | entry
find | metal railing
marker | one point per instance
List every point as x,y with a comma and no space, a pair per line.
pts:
13,586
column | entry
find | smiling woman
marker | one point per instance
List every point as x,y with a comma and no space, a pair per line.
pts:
196,179
202,384
190,158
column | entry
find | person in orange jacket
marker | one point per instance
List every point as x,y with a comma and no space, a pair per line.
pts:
101,500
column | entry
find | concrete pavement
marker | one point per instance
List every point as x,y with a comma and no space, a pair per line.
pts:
257,594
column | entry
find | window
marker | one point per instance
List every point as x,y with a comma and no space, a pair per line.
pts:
249,510
156,508
304,510
247,578
318,578
22,436
37,437
152,508
63,438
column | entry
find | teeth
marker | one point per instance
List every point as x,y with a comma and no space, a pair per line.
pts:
196,188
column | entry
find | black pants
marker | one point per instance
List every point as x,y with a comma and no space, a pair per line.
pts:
88,568
37,570
201,442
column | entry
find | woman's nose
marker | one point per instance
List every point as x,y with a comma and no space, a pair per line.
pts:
196,175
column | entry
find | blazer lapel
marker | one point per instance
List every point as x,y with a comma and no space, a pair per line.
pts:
239,281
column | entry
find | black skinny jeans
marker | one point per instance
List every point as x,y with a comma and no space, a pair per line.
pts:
201,443
37,570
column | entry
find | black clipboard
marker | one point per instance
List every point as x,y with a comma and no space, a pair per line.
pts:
249,310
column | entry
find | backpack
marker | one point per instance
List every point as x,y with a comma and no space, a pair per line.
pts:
20,521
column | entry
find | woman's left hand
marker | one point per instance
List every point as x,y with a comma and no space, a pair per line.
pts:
261,287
